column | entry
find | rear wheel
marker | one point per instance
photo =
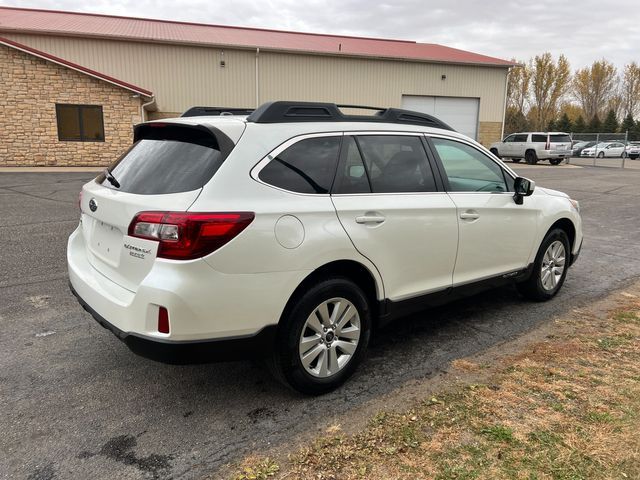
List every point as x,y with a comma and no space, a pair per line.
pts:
625,154
549,268
530,157
323,337
555,161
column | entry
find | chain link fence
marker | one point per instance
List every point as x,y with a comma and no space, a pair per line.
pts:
603,150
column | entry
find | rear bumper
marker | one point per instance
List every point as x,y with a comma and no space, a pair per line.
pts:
189,352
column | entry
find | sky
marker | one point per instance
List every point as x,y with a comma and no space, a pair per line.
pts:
583,31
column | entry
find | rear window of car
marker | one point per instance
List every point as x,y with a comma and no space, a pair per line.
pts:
167,159
560,138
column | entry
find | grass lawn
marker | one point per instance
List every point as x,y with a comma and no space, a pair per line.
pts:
567,407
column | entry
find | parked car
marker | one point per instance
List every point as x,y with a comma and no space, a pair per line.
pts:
296,231
632,150
578,147
534,146
604,149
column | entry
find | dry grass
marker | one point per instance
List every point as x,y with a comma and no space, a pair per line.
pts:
566,408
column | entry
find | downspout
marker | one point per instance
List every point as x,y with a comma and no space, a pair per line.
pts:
144,105
257,77
504,107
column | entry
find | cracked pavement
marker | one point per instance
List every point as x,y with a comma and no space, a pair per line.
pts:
76,403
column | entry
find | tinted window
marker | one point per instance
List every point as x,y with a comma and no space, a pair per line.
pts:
351,176
153,167
521,137
305,167
80,123
509,139
468,169
396,163
561,138
539,138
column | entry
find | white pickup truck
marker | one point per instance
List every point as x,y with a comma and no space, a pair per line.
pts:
534,146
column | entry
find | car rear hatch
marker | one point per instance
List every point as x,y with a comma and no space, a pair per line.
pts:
559,143
164,170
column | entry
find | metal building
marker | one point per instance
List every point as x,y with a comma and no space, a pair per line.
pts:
186,64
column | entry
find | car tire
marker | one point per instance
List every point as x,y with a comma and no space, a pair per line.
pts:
516,160
495,152
601,155
530,157
548,275
625,155
555,161
305,351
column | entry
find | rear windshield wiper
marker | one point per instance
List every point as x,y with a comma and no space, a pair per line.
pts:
112,180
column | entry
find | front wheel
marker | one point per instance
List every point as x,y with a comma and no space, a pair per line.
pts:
495,152
601,155
549,268
322,337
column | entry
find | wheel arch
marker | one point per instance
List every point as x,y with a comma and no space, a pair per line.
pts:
569,228
351,269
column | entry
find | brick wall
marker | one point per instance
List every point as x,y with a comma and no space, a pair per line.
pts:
29,89
489,132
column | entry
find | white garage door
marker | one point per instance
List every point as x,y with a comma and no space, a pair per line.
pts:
459,112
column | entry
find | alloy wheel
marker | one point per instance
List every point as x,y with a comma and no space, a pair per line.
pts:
329,337
553,265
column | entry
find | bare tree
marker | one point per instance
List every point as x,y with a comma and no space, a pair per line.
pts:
594,87
630,91
550,82
518,87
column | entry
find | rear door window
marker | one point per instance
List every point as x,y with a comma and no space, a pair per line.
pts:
396,163
538,138
155,166
307,166
352,175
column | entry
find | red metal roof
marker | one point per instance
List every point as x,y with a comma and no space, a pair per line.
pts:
75,66
147,30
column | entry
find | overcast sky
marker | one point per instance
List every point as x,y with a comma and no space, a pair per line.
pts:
583,30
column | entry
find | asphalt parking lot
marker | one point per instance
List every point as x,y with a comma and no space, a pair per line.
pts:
77,404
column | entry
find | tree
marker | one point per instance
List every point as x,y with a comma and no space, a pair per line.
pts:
564,124
518,87
630,90
550,82
515,121
594,86
594,125
572,110
628,126
551,126
610,124
580,125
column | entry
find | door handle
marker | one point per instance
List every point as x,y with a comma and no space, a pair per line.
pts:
370,219
469,216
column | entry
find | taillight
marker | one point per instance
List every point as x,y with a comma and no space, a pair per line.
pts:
185,235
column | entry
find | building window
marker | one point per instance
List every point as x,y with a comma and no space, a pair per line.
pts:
80,123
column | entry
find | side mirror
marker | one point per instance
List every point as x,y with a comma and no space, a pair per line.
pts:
523,187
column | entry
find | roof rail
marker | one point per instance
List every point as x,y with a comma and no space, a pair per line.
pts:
216,111
293,112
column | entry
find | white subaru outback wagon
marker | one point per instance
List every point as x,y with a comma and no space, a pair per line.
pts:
296,231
